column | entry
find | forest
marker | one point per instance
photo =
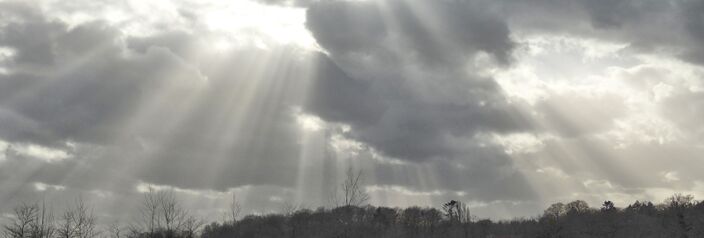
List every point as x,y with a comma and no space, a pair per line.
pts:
161,215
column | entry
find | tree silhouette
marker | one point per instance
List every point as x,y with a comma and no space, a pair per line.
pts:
162,216
30,220
608,206
457,211
351,192
234,209
77,221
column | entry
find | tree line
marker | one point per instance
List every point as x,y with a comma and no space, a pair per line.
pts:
160,215
679,216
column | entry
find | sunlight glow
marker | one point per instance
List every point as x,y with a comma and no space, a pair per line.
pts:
4,146
43,187
228,90
284,25
310,122
521,143
41,152
670,176
147,187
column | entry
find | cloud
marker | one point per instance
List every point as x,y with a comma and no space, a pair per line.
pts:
338,97
654,27
96,111
141,106
294,3
427,97
571,115
685,109
408,81
434,33
78,84
676,30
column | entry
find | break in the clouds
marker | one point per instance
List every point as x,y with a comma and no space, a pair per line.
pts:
506,105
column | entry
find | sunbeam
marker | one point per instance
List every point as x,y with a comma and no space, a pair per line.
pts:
416,117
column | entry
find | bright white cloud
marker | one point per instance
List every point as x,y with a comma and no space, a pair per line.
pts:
521,143
44,187
40,152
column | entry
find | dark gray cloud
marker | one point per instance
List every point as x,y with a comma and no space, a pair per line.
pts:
90,102
437,33
347,99
693,19
658,27
406,91
670,27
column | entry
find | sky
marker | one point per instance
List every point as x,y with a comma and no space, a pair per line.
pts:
507,105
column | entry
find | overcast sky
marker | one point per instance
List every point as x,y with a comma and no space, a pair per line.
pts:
507,105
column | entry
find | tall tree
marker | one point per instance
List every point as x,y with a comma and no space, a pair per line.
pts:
234,209
163,215
30,220
77,221
352,193
21,223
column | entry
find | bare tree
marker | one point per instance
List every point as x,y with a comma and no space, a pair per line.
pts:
115,230
679,201
21,224
163,215
44,226
150,211
66,226
172,214
234,209
191,226
77,221
30,220
352,192
135,230
289,208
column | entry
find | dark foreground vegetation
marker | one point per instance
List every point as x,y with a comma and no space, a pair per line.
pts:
679,216
162,217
